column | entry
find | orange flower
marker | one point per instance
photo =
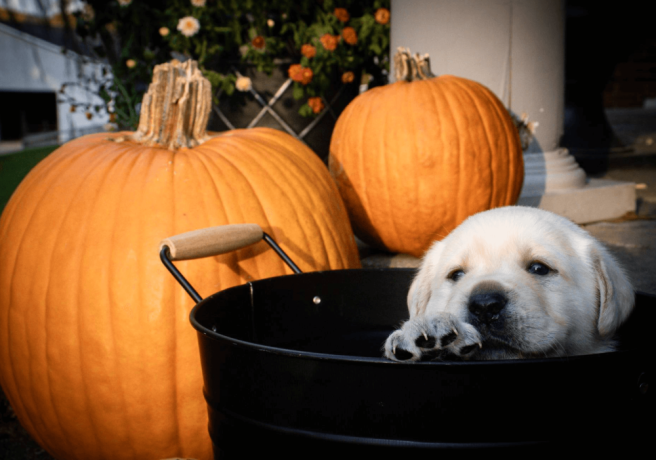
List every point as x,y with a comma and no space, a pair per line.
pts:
295,72
382,15
342,14
329,41
350,35
307,76
258,42
300,74
316,104
348,77
308,51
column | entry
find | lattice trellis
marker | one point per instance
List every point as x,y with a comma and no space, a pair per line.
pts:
268,107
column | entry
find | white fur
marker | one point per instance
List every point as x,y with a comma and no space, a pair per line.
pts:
573,310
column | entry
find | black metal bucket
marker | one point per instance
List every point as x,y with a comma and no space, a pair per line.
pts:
293,365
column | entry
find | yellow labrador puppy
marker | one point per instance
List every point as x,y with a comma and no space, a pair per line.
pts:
513,282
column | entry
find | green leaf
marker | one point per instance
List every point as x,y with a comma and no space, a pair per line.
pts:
298,91
375,48
305,110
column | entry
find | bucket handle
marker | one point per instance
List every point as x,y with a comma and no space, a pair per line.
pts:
213,241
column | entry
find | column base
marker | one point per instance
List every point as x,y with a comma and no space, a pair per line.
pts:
599,199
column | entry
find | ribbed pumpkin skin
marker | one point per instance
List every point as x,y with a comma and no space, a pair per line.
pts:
413,159
97,355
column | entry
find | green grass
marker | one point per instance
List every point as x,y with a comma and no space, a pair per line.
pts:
14,167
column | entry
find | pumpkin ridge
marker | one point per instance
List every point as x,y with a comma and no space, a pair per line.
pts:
240,159
360,191
452,127
310,165
469,90
206,158
384,175
510,193
438,98
497,125
35,176
33,215
12,394
250,167
133,175
234,155
305,162
311,259
131,161
154,165
146,169
120,156
419,155
85,180
364,190
177,308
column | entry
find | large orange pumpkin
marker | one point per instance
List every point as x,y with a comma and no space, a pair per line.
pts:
97,355
414,158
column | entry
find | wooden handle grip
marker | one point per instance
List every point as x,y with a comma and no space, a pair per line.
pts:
212,241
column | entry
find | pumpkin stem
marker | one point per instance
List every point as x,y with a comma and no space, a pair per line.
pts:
411,68
176,108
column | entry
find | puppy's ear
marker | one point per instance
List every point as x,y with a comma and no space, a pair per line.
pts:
420,290
616,296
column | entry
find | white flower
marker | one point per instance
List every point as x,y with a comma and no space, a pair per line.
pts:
124,2
243,84
198,3
188,26
271,22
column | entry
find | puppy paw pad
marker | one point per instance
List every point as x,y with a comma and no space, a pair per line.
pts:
425,342
448,339
402,355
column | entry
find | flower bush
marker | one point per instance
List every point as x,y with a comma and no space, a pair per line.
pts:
322,42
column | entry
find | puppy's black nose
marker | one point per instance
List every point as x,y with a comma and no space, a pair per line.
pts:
486,306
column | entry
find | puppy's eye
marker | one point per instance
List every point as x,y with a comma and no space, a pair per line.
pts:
455,275
538,268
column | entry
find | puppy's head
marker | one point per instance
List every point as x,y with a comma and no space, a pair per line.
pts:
533,283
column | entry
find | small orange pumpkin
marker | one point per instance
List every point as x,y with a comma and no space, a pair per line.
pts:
97,355
414,158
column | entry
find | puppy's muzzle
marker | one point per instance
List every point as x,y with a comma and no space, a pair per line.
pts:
486,302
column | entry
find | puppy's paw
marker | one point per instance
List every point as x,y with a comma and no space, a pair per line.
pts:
431,336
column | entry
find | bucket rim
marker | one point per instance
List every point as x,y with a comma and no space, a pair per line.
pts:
212,335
